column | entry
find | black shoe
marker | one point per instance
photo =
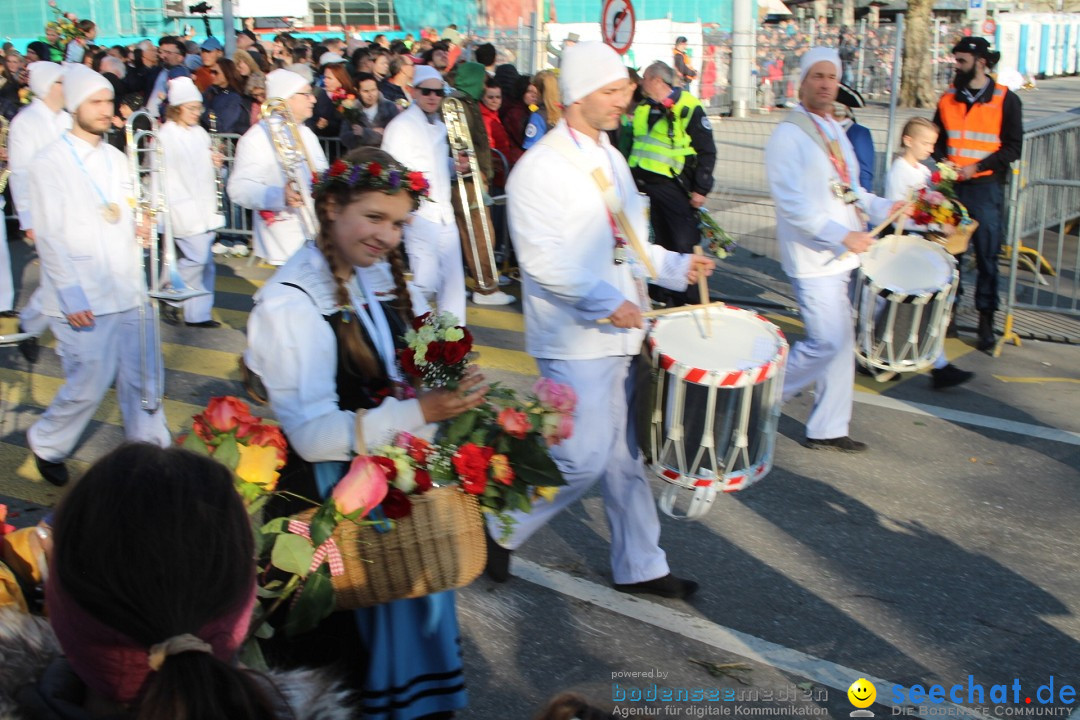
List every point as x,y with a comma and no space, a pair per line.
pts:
949,376
205,324
55,473
30,348
986,330
169,315
498,559
843,444
668,586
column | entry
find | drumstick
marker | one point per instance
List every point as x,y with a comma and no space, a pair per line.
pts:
890,220
703,290
669,311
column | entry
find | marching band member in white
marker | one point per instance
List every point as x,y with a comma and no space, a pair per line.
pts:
417,138
575,271
257,180
35,126
821,226
190,186
91,284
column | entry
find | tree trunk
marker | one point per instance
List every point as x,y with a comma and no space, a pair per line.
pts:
916,82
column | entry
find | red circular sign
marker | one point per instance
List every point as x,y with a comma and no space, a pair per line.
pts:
989,27
617,24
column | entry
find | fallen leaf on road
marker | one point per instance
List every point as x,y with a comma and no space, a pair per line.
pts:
731,670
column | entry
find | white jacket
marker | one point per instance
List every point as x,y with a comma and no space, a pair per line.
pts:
292,348
86,262
565,248
257,182
421,145
34,127
811,222
190,180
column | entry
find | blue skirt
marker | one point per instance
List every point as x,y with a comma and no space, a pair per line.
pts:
415,666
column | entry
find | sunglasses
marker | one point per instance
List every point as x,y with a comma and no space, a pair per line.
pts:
428,92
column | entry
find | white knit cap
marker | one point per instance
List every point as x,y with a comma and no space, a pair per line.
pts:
423,73
818,54
42,76
80,82
182,90
329,58
587,67
284,84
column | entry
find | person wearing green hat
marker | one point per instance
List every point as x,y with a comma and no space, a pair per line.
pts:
469,80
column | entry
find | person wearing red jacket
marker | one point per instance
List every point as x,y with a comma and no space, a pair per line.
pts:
489,110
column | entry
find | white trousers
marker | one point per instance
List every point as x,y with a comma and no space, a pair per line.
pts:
603,447
826,357
92,361
7,281
197,269
435,260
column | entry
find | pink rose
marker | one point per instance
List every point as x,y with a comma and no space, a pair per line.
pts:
556,427
515,423
229,413
363,487
555,396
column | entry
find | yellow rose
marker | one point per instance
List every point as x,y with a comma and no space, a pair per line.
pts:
258,466
547,492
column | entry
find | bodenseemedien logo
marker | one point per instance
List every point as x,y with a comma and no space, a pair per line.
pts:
862,694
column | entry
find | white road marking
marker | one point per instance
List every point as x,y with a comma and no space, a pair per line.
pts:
698,629
1040,432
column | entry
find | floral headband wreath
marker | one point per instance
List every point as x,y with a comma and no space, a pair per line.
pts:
371,176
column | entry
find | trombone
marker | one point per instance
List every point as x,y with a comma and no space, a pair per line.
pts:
217,146
291,152
457,131
146,164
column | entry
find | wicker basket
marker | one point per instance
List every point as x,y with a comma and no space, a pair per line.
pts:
439,546
957,243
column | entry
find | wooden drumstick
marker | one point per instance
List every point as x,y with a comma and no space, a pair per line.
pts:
703,290
890,220
669,311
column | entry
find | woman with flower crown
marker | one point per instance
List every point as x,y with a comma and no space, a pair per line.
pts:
325,350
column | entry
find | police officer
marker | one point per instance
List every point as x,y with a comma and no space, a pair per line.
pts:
672,160
981,133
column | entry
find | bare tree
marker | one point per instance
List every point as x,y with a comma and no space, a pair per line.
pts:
916,82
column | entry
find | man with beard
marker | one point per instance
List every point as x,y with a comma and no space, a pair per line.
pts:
821,215
981,133
90,279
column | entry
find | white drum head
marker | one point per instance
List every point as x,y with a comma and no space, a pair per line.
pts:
739,340
908,265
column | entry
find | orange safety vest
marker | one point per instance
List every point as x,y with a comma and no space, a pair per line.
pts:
972,134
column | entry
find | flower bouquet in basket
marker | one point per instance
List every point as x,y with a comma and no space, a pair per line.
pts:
937,204
717,240
295,559
499,451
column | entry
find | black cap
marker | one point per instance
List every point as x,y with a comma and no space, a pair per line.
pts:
245,31
979,47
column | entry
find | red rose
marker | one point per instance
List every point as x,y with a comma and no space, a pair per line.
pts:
471,463
417,182
270,216
407,357
338,168
387,466
435,351
202,429
935,177
418,321
468,339
396,505
419,449
269,436
423,482
374,169
455,352
228,413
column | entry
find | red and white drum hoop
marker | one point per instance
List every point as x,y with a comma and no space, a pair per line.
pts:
707,390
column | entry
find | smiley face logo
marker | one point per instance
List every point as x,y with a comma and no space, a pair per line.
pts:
862,693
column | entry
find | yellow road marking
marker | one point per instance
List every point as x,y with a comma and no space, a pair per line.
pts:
1010,379
191,359
954,348
22,480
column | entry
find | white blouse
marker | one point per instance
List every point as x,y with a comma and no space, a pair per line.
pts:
190,182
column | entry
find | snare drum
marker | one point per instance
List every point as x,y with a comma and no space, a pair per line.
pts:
717,402
905,289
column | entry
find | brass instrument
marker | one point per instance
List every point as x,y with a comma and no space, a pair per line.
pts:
146,164
5,171
215,146
291,152
457,132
